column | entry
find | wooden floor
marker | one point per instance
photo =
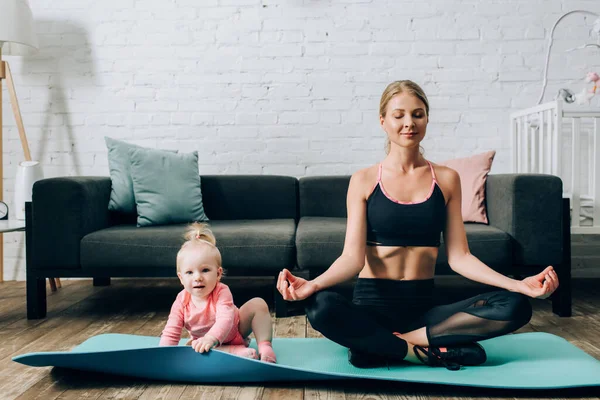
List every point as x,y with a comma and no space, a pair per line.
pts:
79,311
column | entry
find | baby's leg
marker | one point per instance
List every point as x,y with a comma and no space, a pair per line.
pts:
238,350
255,317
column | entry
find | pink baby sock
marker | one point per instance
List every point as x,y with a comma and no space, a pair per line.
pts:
239,350
266,352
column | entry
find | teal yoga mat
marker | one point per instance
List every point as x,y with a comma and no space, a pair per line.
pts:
527,360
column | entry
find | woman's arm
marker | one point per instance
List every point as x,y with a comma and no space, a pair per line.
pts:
459,257
352,259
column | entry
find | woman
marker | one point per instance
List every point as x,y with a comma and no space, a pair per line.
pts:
396,213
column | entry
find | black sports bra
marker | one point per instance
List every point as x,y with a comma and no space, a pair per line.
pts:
394,223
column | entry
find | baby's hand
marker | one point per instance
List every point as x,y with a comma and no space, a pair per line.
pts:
204,344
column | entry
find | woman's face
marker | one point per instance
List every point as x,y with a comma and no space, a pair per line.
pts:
405,120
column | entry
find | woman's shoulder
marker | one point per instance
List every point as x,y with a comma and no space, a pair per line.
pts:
444,171
366,175
364,179
446,177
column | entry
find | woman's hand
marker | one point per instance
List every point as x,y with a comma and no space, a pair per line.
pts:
204,343
541,285
294,288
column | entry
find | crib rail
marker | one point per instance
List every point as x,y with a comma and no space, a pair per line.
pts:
550,139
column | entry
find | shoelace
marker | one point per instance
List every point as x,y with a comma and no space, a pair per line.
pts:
434,357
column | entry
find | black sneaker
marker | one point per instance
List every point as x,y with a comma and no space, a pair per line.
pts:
467,354
365,360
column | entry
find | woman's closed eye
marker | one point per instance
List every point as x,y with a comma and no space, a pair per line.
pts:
418,116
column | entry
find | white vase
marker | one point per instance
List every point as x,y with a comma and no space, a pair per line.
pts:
28,172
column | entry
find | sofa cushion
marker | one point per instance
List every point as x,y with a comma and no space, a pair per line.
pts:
236,197
473,172
491,245
323,196
121,195
166,187
265,245
320,240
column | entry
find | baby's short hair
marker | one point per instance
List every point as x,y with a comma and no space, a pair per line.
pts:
199,233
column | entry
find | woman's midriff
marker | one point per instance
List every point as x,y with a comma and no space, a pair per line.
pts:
399,263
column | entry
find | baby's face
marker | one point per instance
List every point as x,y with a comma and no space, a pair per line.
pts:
199,271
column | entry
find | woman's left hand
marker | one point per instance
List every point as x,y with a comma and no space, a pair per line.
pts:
539,286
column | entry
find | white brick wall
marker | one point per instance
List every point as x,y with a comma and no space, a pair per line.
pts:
278,86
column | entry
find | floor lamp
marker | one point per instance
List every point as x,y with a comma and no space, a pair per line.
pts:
17,38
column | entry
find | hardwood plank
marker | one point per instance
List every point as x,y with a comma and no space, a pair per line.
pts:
160,391
290,327
283,391
323,392
88,385
14,311
202,392
132,391
47,388
241,393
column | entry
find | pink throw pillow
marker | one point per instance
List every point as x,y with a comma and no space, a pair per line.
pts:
473,172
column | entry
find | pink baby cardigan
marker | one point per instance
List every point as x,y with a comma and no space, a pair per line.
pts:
219,318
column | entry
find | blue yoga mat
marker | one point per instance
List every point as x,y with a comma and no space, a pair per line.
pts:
527,360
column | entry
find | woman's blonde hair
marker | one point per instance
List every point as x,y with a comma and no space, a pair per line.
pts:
397,87
199,233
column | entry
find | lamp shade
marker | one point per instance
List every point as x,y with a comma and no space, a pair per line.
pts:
17,35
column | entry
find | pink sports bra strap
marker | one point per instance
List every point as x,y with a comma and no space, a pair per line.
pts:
432,171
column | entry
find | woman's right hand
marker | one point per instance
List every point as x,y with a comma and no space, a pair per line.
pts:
294,288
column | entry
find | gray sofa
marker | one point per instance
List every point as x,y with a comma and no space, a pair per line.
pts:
71,233
265,223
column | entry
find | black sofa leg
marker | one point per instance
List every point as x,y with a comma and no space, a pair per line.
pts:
36,298
281,307
35,287
561,299
102,281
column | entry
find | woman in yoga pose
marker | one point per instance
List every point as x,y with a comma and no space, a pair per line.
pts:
397,211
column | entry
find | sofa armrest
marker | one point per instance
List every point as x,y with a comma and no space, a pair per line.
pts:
64,211
529,208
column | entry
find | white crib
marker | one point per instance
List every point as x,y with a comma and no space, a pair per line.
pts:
563,140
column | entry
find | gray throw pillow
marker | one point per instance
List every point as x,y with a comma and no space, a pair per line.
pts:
166,187
121,192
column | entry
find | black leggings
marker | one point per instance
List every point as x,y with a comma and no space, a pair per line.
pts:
382,306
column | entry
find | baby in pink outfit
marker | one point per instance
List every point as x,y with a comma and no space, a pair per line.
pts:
205,305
